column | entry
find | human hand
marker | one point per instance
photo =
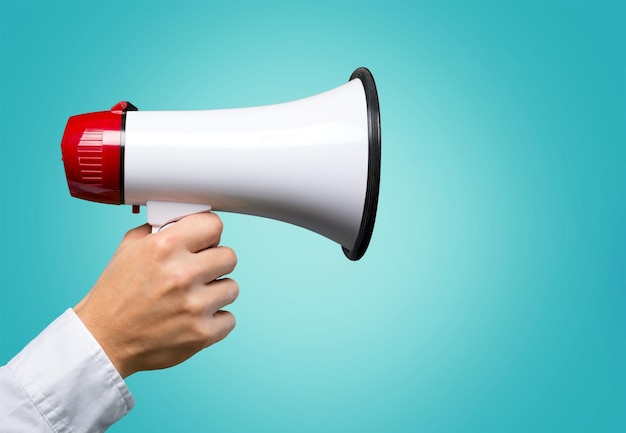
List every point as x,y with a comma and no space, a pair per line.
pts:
159,300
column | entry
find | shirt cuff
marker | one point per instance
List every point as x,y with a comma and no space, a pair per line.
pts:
70,379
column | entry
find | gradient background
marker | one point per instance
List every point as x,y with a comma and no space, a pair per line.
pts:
493,295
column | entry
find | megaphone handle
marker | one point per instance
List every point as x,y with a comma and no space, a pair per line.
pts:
162,213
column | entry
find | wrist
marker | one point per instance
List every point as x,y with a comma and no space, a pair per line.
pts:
110,349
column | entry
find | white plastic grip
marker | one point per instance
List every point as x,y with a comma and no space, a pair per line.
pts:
162,213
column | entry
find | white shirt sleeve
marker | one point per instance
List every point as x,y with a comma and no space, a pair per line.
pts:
62,381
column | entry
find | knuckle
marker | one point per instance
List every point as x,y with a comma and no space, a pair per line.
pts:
193,307
230,258
220,329
233,291
215,221
228,291
214,330
180,279
165,243
202,331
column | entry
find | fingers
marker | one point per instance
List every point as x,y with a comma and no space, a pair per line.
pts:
223,322
205,300
214,263
197,232
206,306
220,293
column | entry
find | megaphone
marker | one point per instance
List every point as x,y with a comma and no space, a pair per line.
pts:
313,162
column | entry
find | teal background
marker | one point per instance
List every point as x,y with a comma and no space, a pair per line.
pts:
493,295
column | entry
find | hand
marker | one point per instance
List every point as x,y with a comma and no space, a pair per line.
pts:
159,300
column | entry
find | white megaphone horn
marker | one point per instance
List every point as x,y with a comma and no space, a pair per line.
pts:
314,162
